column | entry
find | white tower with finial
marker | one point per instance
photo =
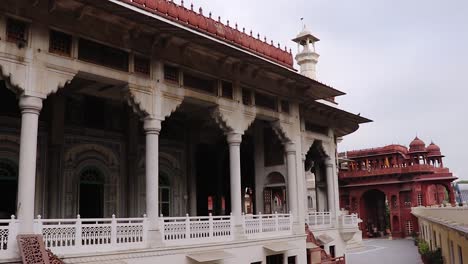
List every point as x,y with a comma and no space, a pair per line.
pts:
306,56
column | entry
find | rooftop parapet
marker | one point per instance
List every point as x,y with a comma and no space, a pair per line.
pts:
208,25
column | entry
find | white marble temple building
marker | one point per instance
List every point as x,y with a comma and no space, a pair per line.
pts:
146,132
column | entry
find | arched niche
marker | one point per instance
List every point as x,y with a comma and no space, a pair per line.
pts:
274,194
81,158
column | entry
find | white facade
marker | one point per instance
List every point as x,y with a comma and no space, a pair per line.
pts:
133,149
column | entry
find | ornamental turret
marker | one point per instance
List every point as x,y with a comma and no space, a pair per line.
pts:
306,57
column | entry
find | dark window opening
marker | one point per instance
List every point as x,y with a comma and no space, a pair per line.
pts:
275,259
285,106
142,65
171,73
273,148
226,90
316,128
246,96
292,260
94,115
91,193
266,101
60,43
91,51
17,31
200,83
332,251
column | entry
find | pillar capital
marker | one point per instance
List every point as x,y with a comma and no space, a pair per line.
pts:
152,126
234,138
328,162
290,147
30,104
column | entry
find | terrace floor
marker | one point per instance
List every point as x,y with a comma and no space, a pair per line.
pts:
384,251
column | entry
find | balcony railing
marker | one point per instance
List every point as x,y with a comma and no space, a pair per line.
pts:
325,220
320,220
96,235
8,232
187,230
350,221
79,235
267,224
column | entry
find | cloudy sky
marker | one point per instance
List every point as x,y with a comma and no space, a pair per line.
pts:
403,64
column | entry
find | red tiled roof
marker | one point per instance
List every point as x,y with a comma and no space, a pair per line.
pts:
207,25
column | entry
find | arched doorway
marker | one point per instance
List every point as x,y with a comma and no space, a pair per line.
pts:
375,213
274,194
91,201
164,194
315,173
8,188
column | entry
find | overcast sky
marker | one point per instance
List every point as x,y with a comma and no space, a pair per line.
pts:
403,64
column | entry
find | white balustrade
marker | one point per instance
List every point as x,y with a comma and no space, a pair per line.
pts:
264,225
8,232
350,221
92,235
186,230
320,220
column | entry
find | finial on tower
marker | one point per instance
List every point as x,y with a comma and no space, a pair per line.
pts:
306,56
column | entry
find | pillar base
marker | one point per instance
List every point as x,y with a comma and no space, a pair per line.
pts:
155,239
298,229
239,233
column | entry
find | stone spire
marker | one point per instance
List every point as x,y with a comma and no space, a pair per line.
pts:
306,57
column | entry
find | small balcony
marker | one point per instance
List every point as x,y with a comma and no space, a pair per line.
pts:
326,220
78,236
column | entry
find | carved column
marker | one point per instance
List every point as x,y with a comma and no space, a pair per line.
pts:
330,186
290,149
234,140
30,108
152,128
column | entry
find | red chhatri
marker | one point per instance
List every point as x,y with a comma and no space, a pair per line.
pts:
188,17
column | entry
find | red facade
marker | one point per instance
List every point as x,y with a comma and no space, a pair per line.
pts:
382,184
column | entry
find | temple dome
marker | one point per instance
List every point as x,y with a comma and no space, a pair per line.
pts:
433,150
417,145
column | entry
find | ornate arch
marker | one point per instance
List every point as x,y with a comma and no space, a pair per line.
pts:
170,164
275,178
82,156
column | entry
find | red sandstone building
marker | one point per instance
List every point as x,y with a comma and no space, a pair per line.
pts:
382,184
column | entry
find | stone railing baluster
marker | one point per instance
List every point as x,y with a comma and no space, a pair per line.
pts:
78,231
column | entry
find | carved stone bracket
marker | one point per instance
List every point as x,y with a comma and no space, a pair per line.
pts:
40,80
306,145
284,131
152,103
232,121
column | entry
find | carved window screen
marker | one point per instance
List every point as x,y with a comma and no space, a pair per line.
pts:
142,65
226,90
17,31
246,96
171,73
266,101
97,53
200,83
60,43
285,106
